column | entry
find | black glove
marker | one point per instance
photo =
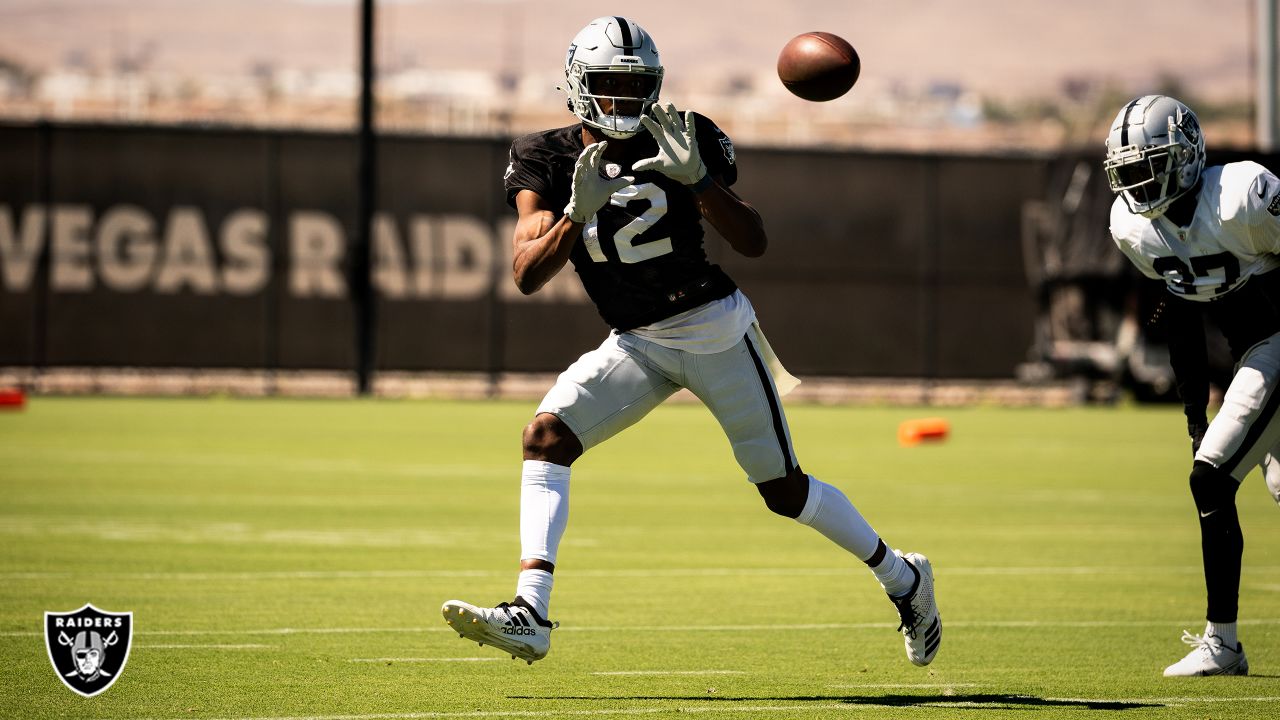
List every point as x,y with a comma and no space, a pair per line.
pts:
1196,429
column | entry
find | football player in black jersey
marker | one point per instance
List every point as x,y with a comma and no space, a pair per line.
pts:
621,195
1212,235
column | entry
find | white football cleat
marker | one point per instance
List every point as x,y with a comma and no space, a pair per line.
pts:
514,627
921,624
1209,656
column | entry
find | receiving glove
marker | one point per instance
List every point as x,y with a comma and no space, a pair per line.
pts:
678,157
591,190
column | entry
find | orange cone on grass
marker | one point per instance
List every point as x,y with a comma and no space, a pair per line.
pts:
922,430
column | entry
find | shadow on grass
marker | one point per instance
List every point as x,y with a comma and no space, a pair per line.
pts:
960,701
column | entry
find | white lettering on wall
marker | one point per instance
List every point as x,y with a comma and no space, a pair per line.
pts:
316,248
20,247
246,258
72,270
128,249
188,255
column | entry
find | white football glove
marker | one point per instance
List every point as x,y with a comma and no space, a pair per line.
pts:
591,190
678,157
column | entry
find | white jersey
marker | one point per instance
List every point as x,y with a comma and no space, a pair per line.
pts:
1234,234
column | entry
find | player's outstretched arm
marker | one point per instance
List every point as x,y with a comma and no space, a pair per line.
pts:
679,159
541,242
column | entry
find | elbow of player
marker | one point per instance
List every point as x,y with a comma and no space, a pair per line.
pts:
754,247
526,284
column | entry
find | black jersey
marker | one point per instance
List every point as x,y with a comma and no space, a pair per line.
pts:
641,258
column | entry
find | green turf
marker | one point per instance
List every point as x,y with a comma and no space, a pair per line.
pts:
1065,546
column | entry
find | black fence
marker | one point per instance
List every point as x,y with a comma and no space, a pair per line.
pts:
174,247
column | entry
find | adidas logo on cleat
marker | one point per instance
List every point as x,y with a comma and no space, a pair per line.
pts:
933,637
513,627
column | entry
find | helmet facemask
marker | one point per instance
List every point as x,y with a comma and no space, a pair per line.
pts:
617,111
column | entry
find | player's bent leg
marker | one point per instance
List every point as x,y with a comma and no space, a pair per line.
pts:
548,439
600,394
786,495
520,627
907,578
513,627
738,389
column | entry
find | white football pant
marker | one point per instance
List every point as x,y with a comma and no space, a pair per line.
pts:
610,388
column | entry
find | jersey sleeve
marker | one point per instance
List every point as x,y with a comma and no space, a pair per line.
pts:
1262,210
527,169
717,150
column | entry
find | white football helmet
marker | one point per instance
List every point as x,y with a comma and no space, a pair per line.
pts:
1155,152
611,45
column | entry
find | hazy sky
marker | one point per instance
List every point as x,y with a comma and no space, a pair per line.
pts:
998,46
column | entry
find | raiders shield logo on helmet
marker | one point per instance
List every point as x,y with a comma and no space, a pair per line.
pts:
88,647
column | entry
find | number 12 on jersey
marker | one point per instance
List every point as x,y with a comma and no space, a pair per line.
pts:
627,239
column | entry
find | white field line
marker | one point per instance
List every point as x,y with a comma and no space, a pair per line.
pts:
564,713
249,646
265,575
426,659
328,466
238,533
1169,700
670,672
754,709
914,686
602,573
980,624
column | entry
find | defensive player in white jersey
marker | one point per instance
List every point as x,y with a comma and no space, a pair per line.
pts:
1213,235
621,194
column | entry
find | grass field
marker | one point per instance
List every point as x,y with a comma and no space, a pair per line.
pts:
288,558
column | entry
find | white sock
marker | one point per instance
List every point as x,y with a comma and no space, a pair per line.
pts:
894,574
535,587
829,512
1225,631
544,509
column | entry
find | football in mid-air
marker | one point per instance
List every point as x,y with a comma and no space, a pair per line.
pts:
818,66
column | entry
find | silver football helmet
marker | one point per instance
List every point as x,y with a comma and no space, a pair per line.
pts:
606,46
1155,153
